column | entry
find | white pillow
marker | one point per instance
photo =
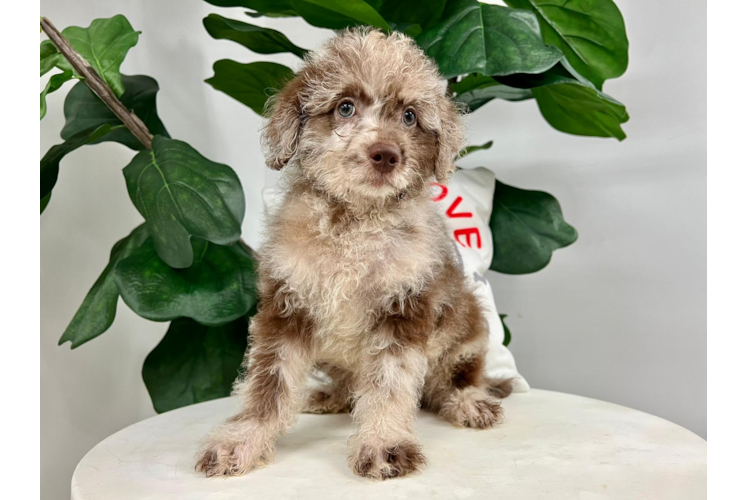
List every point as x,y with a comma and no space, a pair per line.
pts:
467,203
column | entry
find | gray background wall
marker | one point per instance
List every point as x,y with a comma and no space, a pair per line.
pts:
620,315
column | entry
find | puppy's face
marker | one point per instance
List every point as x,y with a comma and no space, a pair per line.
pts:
369,143
367,118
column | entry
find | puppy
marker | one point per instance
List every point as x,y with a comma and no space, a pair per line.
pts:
358,277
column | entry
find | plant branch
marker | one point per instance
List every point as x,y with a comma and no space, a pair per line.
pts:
97,84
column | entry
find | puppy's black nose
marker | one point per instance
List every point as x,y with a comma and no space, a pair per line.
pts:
384,157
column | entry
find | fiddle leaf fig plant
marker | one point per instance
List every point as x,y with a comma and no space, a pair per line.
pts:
186,264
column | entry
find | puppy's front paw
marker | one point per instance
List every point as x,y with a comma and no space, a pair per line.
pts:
472,409
227,455
385,462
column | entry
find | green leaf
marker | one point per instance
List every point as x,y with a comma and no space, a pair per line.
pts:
216,289
412,30
54,83
50,163
275,8
338,14
250,84
44,202
425,13
507,333
271,14
83,109
581,110
472,149
527,227
333,14
104,45
49,57
591,34
560,73
182,194
477,38
194,363
571,104
255,38
476,90
99,308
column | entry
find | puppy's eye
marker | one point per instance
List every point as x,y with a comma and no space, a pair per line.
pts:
346,109
409,117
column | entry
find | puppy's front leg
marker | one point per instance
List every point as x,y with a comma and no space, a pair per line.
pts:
387,394
280,358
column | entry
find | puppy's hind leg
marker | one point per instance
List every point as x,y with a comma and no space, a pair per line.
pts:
461,396
455,386
280,358
500,388
334,397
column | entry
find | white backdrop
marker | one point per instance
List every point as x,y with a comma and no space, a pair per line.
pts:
620,315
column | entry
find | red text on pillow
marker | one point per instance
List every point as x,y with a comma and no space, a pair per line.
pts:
451,210
453,214
467,232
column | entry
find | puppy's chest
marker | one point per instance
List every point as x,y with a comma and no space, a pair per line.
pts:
345,274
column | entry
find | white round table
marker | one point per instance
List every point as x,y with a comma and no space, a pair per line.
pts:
551,445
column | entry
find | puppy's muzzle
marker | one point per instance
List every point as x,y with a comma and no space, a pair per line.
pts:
384,157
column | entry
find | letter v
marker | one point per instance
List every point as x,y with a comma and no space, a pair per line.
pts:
451,210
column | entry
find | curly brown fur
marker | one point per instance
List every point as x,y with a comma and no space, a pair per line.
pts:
358,275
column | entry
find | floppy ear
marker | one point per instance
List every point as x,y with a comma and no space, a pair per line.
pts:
450,138
281,133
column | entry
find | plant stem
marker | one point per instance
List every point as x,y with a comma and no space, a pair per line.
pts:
97,85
